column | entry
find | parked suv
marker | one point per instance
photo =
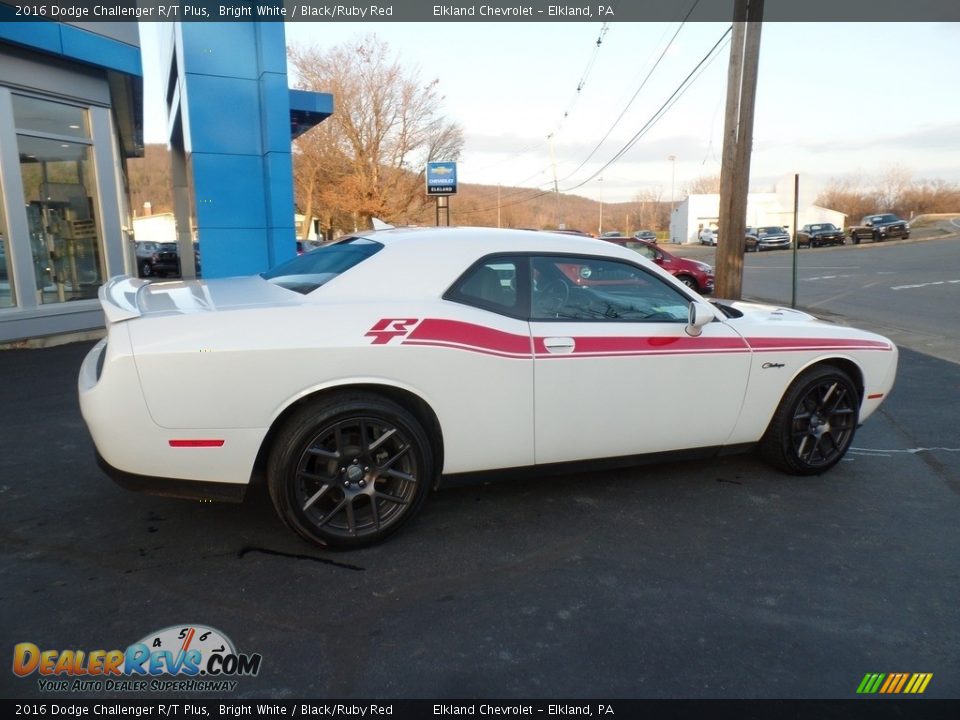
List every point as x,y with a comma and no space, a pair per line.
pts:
879,227
708,236
694,274
768,237
146,252
817,234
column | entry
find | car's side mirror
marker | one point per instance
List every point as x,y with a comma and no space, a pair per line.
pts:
699,314
658,257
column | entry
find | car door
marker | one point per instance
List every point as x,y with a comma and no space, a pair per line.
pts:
615,372
485,368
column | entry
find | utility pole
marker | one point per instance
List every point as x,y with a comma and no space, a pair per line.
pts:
673,202
556,187
600,227
737,146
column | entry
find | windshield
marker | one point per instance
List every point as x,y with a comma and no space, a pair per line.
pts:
306,273
824,226
771,230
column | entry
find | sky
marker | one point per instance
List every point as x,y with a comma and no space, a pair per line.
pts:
834,100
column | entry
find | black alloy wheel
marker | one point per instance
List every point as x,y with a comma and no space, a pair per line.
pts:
814,424
349,471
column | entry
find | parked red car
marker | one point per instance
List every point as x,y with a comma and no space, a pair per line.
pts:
695,275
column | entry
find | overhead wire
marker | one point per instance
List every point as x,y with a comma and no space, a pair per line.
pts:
670,101
570,106
678,92
643,83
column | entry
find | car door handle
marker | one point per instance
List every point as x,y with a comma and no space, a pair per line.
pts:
559,345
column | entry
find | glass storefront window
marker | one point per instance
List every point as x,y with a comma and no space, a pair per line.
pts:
6,272
59,187
49,118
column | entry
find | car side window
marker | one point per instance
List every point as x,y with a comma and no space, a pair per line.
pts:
491,284
645,250
575,288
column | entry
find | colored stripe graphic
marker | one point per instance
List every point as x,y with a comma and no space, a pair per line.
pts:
478,338
894,683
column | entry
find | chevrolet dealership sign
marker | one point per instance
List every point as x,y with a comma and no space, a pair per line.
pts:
441,178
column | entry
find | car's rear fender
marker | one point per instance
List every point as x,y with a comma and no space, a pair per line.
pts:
405,397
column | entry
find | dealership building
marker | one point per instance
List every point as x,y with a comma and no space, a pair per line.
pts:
71,115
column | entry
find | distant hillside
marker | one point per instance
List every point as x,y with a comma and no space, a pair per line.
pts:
530,208
149,179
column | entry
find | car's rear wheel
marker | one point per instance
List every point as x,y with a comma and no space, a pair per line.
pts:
814,424
349,470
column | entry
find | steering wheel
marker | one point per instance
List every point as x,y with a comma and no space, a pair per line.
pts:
552,297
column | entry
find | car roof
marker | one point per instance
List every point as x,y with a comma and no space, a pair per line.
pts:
424,262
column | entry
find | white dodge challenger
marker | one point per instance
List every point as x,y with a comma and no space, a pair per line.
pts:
353,377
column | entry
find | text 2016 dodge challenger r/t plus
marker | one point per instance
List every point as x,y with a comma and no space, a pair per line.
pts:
355,376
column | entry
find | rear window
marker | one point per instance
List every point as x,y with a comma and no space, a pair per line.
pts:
306,273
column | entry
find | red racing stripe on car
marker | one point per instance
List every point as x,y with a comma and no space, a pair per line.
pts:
459,335
195,443
621,345
775,344
467,336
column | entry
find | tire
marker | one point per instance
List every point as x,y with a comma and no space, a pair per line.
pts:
689,282
350,469
906,236
814,424
146,269
855,238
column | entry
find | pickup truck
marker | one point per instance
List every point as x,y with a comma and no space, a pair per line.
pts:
879,227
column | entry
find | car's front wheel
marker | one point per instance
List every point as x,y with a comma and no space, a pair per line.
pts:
814,424
348,470
689,282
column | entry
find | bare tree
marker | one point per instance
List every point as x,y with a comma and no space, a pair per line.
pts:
647,215
703,185
387,124
892,186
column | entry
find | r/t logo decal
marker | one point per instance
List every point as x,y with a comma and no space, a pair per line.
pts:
387,329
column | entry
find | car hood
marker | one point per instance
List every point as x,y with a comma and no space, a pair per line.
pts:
762,324
126,297
760,312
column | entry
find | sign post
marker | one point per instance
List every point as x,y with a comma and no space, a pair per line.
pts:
441,183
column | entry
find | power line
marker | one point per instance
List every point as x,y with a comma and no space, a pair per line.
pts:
676,95
635,94
684,85
581,84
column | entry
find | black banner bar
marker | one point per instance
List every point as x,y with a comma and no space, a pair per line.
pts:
469,11
179,709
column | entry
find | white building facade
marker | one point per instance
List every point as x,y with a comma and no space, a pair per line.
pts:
697,212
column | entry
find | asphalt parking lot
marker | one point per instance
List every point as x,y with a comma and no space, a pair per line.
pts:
693,580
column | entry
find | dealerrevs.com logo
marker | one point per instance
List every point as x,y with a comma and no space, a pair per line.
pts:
180,658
